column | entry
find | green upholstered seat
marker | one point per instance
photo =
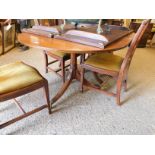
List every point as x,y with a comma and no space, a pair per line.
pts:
105,61
16,76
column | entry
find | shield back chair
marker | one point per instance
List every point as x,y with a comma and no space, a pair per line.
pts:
113,65
62,57
17,79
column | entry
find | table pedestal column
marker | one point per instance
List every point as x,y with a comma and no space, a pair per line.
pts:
72,75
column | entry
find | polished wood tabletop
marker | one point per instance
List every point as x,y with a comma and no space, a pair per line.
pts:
67,46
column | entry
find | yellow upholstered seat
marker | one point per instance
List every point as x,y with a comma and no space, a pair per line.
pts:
153,29
105,61
59,54
16,76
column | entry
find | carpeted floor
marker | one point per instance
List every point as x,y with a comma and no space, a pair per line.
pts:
90,112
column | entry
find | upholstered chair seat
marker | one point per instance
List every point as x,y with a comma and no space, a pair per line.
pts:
105,61
16,76
60,54
153,29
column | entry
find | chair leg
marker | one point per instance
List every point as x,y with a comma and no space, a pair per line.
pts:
82,58
63,69
46,91
82,78
46,62
125,81
125,84
119,86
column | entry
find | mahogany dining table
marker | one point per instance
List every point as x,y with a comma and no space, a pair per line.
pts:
73,49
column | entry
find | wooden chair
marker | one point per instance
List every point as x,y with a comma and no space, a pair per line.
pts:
56,55
63,57
113,65
17,79
118,22
59,57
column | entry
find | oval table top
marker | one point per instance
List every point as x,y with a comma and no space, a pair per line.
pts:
45,43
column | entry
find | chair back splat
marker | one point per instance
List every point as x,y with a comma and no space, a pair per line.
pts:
131,50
